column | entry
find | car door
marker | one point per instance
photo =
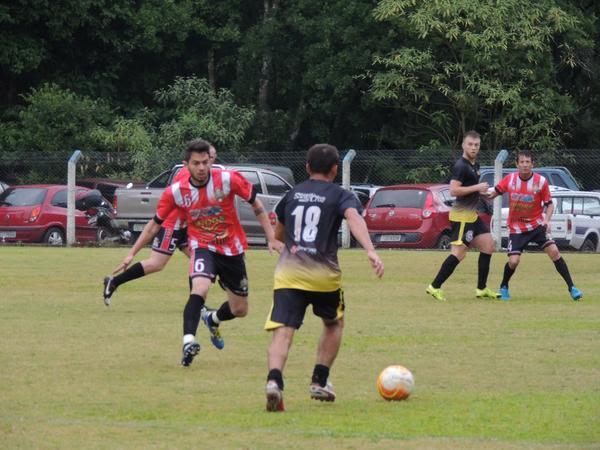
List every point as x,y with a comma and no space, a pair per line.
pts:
244,209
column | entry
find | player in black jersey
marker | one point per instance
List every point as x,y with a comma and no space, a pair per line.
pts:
308,272
467,228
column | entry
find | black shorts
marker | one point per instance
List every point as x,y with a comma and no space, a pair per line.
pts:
463,233
289,307
231,270
168,239
518,241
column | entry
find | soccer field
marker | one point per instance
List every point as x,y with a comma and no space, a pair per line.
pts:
489,374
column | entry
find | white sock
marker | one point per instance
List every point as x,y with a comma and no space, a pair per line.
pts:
215,319
187,338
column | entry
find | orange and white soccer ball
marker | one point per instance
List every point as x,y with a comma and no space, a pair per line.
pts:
395,383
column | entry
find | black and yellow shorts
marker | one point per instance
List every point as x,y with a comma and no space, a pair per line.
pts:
466,226
289,307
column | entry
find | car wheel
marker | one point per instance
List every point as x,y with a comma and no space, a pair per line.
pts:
54,236
589,245
103,234
443,242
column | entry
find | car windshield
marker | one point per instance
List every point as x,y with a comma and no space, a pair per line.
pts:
22,196
399,198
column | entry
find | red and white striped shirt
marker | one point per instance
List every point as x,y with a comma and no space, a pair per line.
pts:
210,210
526,201
176,218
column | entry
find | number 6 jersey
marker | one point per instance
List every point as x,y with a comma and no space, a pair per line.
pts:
311,214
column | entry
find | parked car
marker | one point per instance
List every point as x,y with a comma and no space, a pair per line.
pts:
38,213
136,206
410,216
575,223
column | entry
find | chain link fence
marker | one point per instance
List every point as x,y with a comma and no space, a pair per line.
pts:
378,167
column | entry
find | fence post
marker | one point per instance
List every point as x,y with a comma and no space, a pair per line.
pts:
346,185
497,217
71,196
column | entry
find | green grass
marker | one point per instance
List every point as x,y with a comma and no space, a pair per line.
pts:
489,374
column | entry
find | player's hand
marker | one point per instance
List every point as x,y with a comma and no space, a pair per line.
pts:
275,245
548,227
126,261
483,188
376,263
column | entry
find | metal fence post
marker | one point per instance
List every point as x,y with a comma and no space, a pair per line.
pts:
71,196
346,184
497,217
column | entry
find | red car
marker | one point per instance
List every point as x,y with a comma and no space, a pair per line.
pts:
410,216
38,213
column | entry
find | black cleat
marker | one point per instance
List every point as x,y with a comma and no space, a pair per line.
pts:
109,288
190,350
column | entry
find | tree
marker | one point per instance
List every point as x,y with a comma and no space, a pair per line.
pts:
492,66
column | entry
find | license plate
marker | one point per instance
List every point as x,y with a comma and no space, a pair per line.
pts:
138,226
390,238
8,234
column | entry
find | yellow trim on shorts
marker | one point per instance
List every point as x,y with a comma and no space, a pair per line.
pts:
269,324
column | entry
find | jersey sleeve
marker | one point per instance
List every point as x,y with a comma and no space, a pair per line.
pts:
502,187
348,200
242,187
183,174
280,208
166,204
545,193
459,171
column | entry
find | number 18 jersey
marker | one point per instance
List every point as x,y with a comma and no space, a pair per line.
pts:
311,214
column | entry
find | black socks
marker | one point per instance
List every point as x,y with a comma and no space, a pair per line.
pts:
320,375
191,314
508,273
446,270
561,267
484,269
135,271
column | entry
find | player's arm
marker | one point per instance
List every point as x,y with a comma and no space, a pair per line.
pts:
359,230
549,210
458,190
263,219
147,234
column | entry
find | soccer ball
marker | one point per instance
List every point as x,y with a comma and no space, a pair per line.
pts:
395,383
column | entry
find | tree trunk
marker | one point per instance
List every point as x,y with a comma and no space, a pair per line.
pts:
211,68
270,6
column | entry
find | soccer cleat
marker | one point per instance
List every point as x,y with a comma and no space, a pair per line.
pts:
109,289
322,393
438,294
576,294
190,350
215,334
504,294
274,397
486,293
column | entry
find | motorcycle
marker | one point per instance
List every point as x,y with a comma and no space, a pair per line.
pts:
101,214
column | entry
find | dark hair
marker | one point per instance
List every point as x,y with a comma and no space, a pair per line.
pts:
472,134
197,146
524,154
322,157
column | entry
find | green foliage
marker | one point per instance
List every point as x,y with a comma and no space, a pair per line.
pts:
56,119
491,66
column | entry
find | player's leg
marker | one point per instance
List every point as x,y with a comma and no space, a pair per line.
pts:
163,246
329,306
483,240
458,251
201,274
516,243
285,317
234,280
562,268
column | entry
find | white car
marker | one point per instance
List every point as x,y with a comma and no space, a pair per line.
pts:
575,223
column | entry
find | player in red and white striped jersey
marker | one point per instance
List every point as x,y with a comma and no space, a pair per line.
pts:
172,235
530,209
216,239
